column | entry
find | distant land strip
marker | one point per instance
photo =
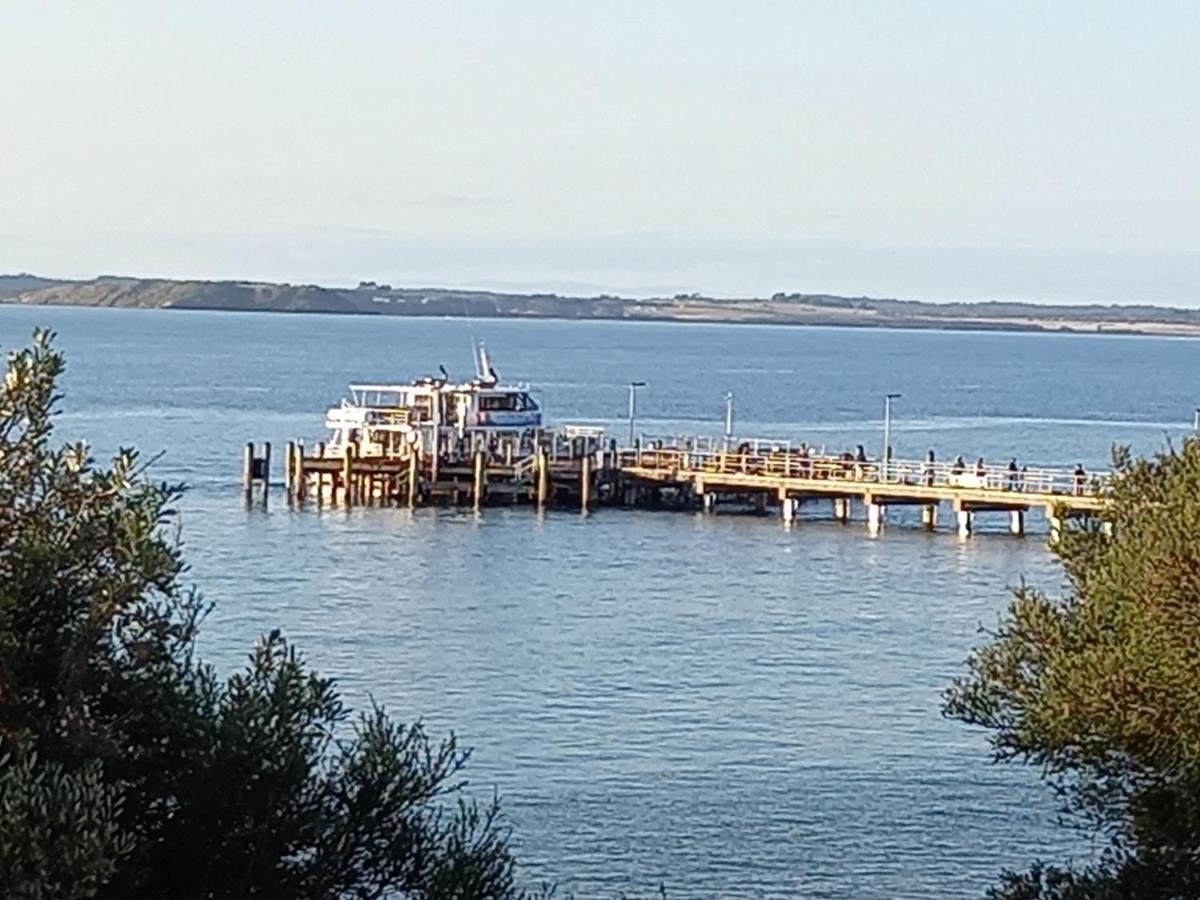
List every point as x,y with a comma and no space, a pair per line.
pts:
371,298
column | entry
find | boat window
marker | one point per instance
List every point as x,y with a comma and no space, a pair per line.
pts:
499,402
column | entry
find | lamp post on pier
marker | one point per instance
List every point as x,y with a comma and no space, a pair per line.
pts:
633,387
885,467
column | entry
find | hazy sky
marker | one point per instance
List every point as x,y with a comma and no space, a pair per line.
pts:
1045,150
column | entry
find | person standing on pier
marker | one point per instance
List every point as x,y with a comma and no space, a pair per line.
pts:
1012,474
930,467
860,462
1080,478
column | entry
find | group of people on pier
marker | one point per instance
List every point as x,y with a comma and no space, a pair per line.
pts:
857,465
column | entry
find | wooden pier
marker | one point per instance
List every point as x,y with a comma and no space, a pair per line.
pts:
581,471
784,480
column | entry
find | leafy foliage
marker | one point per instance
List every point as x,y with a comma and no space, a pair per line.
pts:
128,768
1100,688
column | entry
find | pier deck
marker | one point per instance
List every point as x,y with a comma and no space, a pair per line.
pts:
785,478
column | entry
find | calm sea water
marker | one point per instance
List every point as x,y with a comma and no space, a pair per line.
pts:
714,703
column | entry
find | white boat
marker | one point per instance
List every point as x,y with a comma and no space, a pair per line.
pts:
431,414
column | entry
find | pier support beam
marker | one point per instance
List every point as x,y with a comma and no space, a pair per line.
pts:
708,500
1056,526
787,507
543,478
248,470
414,477
929,516
875,516
480,478
1016,522
841,509
585,482
349,488
966,521
298,473
319,453
289,470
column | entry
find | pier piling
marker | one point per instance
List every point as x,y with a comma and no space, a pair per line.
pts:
248,470
585,482
480,479
929,516
1016,522
289,474
841,509
875,515
543,477
966,521
349,488
414,477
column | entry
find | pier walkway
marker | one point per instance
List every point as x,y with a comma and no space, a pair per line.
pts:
785,479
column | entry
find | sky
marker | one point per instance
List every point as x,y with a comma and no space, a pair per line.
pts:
927,150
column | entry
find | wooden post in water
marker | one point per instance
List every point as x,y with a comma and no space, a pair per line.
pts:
1016,522
585,482
248,470
929,516
414,476
1055,523
841,509
289,476
319,452
543,477
266,468
299,478
480,477
348,485
875,514
787,506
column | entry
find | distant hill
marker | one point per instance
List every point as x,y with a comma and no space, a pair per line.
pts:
370,298
12,285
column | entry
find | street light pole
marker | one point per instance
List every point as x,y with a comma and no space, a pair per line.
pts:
728,420
633,386
886,460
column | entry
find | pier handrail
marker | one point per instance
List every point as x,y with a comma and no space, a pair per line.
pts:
824,467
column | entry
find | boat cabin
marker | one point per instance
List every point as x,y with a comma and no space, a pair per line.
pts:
390,419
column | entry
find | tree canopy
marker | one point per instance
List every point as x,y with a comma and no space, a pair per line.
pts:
130,768
1100,688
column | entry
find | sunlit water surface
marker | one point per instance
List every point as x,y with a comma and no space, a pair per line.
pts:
713,703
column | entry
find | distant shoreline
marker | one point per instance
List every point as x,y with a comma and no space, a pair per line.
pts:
820,310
